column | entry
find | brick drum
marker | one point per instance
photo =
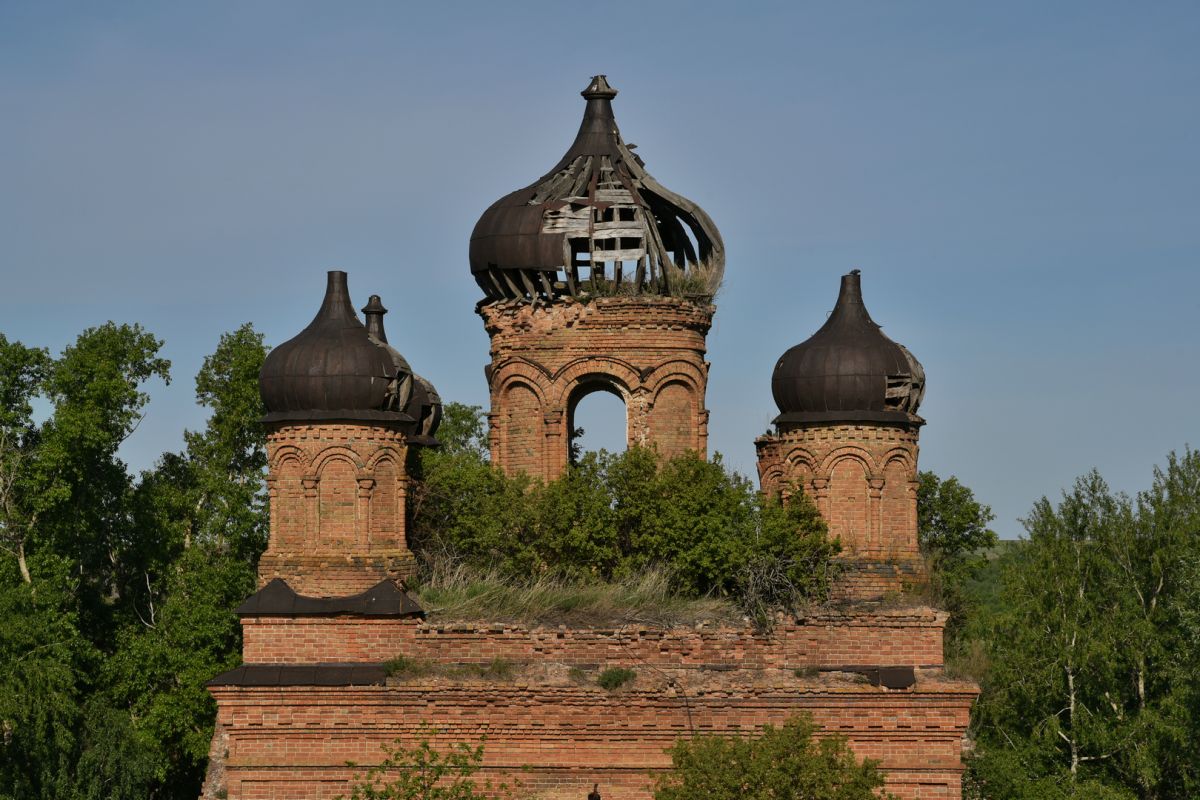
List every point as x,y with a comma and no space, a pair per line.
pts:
337,494
863,479
647,350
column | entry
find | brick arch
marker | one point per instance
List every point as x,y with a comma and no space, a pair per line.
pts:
518,441
647,349
673,422
800,468
383,454
901,454
596,368
337,471
674,371
589,384
322,458
520,370
283,452
898,508
853,452
849,508
772,479
386,504
289,509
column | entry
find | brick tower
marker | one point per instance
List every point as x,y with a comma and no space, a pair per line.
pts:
597,279
846,435
343,408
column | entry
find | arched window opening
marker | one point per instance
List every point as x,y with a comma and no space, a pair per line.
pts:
598,422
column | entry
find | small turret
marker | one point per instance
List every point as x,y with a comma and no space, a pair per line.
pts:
848,370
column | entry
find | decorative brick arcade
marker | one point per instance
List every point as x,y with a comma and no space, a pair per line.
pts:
647,350
585,273
337,495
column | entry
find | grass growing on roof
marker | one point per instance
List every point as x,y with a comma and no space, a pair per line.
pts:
456,591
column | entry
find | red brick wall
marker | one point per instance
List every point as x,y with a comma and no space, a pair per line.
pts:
559,739
863,479
337,496
647,350
908,637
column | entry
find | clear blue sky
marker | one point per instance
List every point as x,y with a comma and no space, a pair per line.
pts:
1017,181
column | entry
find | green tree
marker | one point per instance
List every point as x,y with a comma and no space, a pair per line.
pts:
64,522
612,515
1091,690
783,763
44,666
201,517
953,534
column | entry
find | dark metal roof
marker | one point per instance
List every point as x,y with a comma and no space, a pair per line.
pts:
339,369
277,599
597,211
251,675
332,365
848,370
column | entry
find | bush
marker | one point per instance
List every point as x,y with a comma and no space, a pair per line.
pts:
423,772
614,678
615,515
783,763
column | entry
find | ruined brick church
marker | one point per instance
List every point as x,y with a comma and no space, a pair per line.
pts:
596,278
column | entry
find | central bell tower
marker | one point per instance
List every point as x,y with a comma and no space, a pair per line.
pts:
597,278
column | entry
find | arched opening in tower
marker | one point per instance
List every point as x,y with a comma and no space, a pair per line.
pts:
598,420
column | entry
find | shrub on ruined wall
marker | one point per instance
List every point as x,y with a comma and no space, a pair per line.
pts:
784,763
613,515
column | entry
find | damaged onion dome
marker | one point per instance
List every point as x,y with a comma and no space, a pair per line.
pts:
848,370
339,369
596,224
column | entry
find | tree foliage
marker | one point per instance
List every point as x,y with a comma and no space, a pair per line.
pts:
784,763
1092,686
953,534
116,590
612,515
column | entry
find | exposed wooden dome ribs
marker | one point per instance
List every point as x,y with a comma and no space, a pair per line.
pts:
596,224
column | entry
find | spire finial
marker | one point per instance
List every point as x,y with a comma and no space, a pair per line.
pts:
599,89
374,312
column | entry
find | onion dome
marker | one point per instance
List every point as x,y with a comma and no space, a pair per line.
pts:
597,223
848,370
339,369
401,393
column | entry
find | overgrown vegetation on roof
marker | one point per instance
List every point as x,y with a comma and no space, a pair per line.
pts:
452,590
652,533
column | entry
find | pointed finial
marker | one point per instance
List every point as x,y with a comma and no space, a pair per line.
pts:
599,88
374,312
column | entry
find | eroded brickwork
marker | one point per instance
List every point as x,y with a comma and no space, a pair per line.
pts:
551,727
911,637
557,738
863,479
337,496
647,350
